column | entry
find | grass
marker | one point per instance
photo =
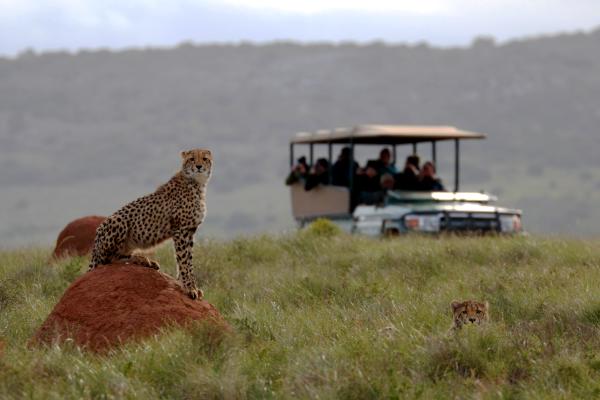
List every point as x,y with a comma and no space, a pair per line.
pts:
320,314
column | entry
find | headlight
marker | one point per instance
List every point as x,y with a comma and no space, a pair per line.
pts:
510,223
422,223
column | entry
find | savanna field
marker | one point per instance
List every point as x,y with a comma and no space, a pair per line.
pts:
320,314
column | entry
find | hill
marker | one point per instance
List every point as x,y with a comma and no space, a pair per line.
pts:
73,126
319,314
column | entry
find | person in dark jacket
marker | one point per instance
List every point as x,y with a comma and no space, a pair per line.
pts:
428,180
341,169
408,179
368,184
319,175
298,172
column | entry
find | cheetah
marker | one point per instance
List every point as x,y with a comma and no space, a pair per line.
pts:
469,312
174,210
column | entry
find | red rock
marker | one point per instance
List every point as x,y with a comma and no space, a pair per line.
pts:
77,238
117,303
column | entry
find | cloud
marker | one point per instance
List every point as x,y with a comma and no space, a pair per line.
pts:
73,24
427,7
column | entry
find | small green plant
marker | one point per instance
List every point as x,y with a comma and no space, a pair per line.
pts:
323,227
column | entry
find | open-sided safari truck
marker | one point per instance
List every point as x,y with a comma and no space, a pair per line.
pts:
399,211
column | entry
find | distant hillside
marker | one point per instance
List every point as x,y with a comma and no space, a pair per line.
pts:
81,134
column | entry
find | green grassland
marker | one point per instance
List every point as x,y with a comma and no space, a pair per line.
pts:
319,314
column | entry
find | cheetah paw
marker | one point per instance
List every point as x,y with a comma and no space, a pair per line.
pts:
195,294
153,264
146,262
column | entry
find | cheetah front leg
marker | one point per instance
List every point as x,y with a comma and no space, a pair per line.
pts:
184,244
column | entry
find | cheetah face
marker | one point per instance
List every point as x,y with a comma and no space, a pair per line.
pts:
197,164
469,312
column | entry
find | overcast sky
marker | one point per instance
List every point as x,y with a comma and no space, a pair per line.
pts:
75,24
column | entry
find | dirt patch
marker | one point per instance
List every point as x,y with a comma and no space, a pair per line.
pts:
77,238
117,303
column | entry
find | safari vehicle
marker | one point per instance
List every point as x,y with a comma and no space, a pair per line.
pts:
400,211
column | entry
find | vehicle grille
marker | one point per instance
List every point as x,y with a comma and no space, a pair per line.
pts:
470,222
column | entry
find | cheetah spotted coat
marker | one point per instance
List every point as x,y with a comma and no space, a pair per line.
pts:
174,210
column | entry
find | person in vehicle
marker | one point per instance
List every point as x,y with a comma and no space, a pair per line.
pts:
319,175
387,182
298,172
384,163
340,173
408,179
428,180
368,184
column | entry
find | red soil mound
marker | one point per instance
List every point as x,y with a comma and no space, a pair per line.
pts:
77,238
117,303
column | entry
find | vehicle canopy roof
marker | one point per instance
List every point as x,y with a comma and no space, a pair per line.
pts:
385,134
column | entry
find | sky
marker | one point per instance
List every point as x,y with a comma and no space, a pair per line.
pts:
50,25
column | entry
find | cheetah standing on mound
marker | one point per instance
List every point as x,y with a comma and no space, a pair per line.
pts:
174,210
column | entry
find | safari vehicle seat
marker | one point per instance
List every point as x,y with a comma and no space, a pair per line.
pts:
321,201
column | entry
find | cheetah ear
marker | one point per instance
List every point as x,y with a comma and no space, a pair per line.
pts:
186,154
455,304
